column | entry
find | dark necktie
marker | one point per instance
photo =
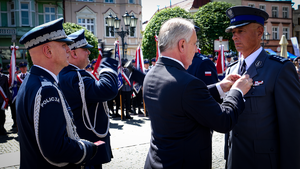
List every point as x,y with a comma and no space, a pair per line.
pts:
243,67
22,76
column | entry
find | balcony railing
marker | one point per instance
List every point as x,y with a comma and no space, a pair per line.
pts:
7,31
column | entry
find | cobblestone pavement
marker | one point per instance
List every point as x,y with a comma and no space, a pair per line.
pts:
129,140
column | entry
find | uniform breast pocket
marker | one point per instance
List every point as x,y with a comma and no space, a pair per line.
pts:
255,99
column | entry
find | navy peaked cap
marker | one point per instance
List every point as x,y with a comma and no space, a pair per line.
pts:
47,32
153,60
146,61
79,40
133,61
244,15
22,64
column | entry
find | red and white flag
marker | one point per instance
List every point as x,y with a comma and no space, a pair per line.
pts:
95,71
5,103
199,51
157,48
207,73
221,61
139,60
12,69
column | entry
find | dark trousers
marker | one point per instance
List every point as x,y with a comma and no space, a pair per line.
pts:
13,111
126,101
137,101
110,105
2,121
117,101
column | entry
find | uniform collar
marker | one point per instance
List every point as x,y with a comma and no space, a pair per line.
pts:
48,71
251,58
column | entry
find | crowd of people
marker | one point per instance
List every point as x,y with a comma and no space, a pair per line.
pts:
63,110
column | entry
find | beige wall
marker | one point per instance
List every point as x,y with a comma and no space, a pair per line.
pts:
99,10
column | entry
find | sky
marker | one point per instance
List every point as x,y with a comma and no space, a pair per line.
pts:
150,6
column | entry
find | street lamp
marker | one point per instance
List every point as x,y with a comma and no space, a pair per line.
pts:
266,36
114,23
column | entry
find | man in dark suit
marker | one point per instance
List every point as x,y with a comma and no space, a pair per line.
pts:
87,96
181,109
203,68
267,133
47,134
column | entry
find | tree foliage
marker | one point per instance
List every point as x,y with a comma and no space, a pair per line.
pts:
71,28
212,20
153,27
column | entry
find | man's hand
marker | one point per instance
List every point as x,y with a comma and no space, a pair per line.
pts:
244,83
228,81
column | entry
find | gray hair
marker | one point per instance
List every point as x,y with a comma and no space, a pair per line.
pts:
174,30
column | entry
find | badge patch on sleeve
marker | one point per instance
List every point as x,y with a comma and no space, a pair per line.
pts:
207,73
48,100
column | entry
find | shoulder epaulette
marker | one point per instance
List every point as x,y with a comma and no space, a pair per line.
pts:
202,57
233,63
278,58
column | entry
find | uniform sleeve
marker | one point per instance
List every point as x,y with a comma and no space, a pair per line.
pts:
107,87
207,72
287,102
50,129
201,106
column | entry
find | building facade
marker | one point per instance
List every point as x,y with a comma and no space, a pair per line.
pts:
92,13
280,21
296,23
19,16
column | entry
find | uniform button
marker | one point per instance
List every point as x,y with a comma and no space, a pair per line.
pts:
236,134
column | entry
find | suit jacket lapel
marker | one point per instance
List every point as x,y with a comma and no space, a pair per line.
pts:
258,63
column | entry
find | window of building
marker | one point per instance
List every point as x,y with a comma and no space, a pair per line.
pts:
251,5
25,14
133,30
88,23
298,34
275,33
131,1
274,11
49,14
262,7
109,1
12,14
285,31
285,12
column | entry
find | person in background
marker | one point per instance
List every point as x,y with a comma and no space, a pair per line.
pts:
89,68
153,61
47,133
3,99
87,96
296,63
181,108
146,66
228,60
23,69
266,135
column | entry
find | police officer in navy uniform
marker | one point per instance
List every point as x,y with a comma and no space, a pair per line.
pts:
267,133
204,69
23,69
87,97
47,133
3,98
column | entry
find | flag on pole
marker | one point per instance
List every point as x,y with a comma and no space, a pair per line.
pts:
139,60
157,48
12,81
221,61
5,103
199,51
97,64
118,58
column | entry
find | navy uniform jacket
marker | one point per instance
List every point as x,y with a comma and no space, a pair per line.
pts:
4,85
204,69
95,92
182,112
267,133
53,138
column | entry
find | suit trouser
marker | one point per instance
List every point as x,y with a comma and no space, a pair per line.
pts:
126,99
2,121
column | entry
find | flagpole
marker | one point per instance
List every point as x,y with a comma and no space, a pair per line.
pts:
121,107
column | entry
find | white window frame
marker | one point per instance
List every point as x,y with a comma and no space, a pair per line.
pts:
86,24
287,12
29,13
55,13
9,14
286,33
262,5
276,12
251,5
87,13
275,32
105,24
106,1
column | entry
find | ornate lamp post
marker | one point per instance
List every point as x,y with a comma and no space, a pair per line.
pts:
129,22
266,36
